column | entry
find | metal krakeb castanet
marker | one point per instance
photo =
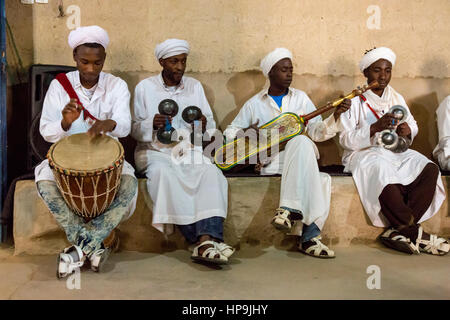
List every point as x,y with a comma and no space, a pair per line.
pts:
389,139
167,107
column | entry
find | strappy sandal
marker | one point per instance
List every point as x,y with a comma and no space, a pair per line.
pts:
225,249
98,259
211,254
398,242
66,264
316,249
435,245
281,220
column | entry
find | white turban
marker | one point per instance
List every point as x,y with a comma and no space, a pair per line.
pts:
170,48
375,55
91,34
272,58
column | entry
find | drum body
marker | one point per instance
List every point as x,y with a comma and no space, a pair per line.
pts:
273,133
87,172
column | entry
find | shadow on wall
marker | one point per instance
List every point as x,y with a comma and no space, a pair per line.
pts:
424,107
242,86
437,65
209,93
328,88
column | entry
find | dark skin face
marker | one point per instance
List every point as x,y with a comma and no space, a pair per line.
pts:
280,77
173,69
89,64
381,71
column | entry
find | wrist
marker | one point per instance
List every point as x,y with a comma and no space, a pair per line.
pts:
113,125
373,129
336,116
65,125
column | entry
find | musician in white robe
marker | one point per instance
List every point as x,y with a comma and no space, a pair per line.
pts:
107,99
442,151
398,189
305,192
186,188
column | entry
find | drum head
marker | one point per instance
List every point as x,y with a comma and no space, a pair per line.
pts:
79,152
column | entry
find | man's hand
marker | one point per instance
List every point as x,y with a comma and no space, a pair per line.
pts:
260,165
70,113
388,121
404,130
343,107
253,126
159,121
101,127
204,122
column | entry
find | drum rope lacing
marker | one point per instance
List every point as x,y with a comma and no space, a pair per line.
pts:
84,210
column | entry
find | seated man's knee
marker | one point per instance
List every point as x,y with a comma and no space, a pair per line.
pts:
302,143
155,169
431,170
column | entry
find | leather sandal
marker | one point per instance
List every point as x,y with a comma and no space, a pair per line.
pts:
316,249
281,220
66,264
435,245
98,259
225,249
211,254
398,242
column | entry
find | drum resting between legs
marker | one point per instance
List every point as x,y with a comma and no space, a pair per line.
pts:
70,108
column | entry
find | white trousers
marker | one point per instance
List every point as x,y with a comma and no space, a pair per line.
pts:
182,193
303,187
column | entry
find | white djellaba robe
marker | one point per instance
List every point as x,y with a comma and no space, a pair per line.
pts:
184,185
303,187
442,151
374,167
110,100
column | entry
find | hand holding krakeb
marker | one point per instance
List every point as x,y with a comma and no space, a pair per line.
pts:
168,109
394,137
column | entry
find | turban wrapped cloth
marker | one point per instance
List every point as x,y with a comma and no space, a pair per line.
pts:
375,55
272,58
170,48
90,34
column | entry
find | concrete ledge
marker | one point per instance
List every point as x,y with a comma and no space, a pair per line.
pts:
252,202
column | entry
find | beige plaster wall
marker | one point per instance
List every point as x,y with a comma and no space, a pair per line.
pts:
20,19
327,37
229,37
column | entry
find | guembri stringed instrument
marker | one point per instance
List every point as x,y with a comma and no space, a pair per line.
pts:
274,133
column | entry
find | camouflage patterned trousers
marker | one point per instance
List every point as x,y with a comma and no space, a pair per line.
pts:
88,236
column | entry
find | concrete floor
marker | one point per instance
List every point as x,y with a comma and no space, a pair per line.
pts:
254,273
